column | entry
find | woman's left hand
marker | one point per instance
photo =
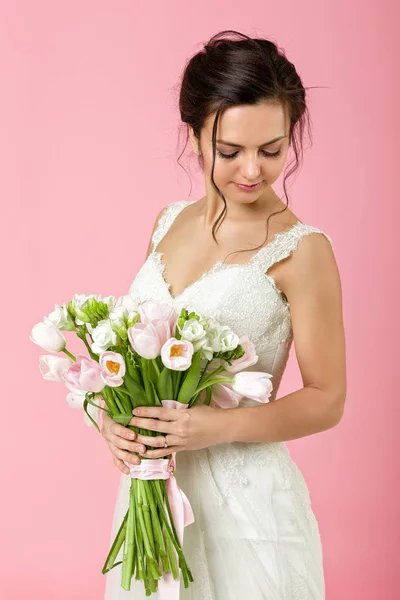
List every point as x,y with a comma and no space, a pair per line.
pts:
187,429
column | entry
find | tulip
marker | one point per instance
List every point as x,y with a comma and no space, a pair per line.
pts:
114,368
151,311
177,354
224,396
128,302
147,339
84,374
53,368
47,336
253,384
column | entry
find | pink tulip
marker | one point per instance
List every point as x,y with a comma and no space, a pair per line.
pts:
248,359
147,339
151,311
253,384
53,368
223,395
113,368
177,354
84,374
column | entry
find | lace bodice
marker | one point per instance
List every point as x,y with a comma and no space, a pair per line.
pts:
242,296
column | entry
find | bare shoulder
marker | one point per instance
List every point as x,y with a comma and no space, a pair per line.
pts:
312,285
310,269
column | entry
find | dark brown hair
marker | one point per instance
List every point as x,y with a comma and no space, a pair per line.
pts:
230,72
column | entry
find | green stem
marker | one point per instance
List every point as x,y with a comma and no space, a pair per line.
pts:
108,398
115,548
117,401
156,368
138,536
142,524
146,514
82,335
158,530
127,564
123,401
212,382
68,353
205,377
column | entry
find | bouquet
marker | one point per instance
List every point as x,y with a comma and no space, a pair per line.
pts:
146,354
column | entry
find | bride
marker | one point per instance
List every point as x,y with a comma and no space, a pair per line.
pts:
241,254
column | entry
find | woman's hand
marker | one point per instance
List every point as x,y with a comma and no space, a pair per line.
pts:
122,442
188,429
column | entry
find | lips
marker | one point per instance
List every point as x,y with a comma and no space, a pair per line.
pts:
252,185
248,188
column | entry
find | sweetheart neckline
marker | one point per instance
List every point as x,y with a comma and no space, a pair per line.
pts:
157,255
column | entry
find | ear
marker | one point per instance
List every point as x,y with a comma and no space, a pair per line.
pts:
194,141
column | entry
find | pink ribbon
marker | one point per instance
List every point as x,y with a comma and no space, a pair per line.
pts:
182,513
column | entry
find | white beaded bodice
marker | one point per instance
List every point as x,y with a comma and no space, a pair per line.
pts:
242,296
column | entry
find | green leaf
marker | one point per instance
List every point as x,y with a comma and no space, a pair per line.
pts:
136,391
165,386
157,401
85,403
188,387
122,419
147,384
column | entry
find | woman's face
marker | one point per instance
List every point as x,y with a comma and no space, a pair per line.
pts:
251,148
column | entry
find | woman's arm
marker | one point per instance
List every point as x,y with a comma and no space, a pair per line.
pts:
311,282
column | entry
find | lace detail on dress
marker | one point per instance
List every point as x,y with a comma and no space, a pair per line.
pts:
234,460
164,222
203,583
283,244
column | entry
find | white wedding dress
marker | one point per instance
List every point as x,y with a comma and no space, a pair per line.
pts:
255,536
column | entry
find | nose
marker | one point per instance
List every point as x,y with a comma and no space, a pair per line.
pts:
251,169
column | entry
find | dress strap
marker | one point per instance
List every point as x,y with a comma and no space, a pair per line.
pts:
283,244
171,211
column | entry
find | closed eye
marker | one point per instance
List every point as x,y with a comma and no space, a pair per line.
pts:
266,154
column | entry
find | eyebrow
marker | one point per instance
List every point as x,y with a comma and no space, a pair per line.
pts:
239,146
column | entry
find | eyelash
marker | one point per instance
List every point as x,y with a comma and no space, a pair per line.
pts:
266,154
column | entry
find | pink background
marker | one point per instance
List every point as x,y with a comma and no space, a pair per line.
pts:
89,142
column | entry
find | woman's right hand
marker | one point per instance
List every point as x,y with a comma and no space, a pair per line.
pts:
121,440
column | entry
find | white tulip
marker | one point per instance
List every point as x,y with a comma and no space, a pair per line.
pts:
52,367
47,336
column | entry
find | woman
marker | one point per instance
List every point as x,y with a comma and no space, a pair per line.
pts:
255,535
